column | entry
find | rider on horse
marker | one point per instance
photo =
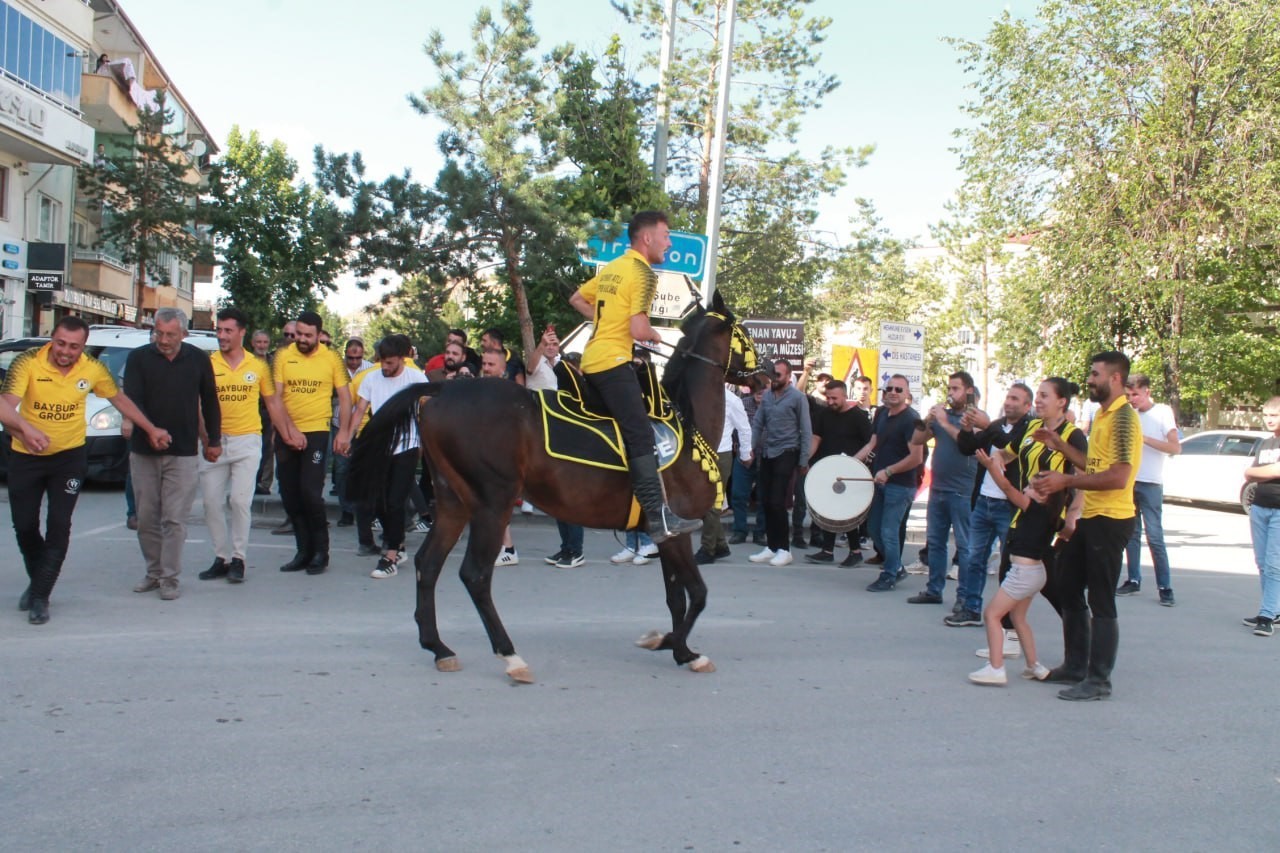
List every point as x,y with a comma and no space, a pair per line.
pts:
617,301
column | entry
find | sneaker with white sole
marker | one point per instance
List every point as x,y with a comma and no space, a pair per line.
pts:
385,569
650,551
953,573
916,568
642,559
989,675
1012,649
421,526
626,555
1039,672
764,556
375,524
781,558
507,558
569,561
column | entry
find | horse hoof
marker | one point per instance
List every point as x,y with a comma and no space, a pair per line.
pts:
702,663
449,665
518,670
651,641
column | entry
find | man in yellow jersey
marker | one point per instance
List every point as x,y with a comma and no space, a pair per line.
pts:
617,301
306,376
48,387
1091,558
227,481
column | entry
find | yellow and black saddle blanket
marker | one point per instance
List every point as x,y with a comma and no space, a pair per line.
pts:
574,428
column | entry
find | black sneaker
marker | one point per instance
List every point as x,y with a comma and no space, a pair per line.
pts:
722,552
1128,588
854,559
214,572
882,584
1264,627
925,597
820,557
962,619
554,558
1166,598
235,570
703,557
1250,621
570,561
902,575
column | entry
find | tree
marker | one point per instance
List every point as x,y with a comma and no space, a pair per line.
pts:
146,193
1137,140
280,242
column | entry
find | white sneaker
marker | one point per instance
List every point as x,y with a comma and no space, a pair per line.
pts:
386,569
1039,672
507,558
526,508
765,556
953,574
649,550
989,675
993,563
1012,649
916,568
402,558
626,555
781,558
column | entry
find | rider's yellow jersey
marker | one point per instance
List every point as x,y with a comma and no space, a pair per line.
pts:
623,288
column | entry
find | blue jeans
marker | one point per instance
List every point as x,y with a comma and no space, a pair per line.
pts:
341,465
636,539
948,512
570,537
740,497
989,522
888,508
1148,502
1264,526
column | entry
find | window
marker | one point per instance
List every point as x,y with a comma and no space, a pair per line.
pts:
32,53
50,222
4,192
1239,445
1200,445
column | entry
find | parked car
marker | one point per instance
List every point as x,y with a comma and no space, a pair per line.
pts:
1210,468
108,450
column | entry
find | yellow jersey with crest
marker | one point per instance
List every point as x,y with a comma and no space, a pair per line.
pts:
240,389
623,288
1114,438
309,382
53,402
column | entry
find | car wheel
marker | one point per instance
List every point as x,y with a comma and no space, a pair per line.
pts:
1246,496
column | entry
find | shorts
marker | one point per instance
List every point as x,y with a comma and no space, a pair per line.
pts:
1024,580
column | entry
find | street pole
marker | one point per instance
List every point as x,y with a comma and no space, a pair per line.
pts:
664,105
717,155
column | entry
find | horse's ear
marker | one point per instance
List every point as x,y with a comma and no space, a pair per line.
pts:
717,302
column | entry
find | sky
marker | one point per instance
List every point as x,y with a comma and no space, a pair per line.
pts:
339,74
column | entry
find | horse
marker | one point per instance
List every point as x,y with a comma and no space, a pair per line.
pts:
482,441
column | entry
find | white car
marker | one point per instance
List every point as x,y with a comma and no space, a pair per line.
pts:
108,451
1210,468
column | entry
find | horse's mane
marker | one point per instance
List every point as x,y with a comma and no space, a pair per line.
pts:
674,376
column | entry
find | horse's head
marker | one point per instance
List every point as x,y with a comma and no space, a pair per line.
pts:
714,335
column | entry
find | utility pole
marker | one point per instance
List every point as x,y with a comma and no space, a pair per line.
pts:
716,188
664,105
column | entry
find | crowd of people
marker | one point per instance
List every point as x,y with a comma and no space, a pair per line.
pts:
1063,503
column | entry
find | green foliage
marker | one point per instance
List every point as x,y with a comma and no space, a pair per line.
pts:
280,241
146,194
1136,139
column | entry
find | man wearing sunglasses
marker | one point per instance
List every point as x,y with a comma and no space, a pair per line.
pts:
893,469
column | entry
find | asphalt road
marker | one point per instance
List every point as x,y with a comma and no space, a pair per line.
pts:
297,712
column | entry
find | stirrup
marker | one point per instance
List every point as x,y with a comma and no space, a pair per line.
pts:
671,525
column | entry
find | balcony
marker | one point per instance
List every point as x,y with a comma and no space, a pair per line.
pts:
96,272
105,105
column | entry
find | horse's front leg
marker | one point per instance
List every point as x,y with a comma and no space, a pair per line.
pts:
428,563
686,599
477,576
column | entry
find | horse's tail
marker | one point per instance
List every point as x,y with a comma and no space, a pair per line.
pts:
372,449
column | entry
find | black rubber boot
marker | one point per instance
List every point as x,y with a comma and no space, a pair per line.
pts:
302,540
46,575
319,550
663,523
1102,659
1075,646
32,566
38,613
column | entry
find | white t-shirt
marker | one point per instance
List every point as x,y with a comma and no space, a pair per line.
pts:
989,489
542,377
1157,422
377,389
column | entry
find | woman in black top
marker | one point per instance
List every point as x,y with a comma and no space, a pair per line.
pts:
1033,528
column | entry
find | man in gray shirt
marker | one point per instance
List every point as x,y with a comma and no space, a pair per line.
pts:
781,438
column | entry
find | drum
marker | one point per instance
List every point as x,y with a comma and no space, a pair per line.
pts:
838,491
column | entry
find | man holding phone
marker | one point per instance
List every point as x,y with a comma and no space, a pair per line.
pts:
952,487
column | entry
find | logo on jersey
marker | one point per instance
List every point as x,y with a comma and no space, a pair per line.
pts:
73,486
317,457
83,385
251,377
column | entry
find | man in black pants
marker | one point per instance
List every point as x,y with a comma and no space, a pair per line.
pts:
48,386
307,375
782,435
842,427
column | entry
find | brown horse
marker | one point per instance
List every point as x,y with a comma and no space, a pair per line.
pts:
483,441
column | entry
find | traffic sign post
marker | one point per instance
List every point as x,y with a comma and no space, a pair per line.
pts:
902,351
687,255
676,297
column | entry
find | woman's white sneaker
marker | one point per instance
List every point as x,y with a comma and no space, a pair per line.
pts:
989,675
1039,672
765,556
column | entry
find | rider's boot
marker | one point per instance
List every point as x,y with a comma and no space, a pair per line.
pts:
663,523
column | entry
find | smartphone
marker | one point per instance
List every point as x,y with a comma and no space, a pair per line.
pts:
970,399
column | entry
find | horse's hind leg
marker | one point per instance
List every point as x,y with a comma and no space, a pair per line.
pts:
686,599
477,575
450,519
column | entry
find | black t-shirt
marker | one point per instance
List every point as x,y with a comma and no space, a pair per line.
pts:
1032,530
844,432
1268,492
893,443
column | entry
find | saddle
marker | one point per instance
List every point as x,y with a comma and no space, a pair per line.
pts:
575,428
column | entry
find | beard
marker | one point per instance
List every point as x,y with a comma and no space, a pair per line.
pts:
305,347
1096,395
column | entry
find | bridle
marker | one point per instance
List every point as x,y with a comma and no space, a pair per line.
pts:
740,343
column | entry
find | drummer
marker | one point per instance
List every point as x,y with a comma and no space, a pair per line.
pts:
840,427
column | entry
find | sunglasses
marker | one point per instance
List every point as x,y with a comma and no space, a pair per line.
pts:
894,389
